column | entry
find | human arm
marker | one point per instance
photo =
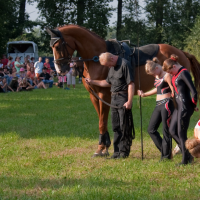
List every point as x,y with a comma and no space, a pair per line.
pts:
146,94
131,91
10,88
186,77
168,79
101,83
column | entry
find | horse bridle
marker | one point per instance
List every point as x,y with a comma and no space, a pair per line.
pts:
65,44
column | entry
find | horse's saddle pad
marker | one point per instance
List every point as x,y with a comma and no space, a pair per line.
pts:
146,52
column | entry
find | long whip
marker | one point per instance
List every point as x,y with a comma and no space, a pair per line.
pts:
139,84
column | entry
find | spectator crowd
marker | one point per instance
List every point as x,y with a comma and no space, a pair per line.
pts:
27,75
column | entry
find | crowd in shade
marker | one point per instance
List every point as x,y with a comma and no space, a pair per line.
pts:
25,75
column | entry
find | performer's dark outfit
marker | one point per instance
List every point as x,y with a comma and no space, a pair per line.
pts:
183,85
119,77
162,113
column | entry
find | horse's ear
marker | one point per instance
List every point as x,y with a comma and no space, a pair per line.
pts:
52,32
48,30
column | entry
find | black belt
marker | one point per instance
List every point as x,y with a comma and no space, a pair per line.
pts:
120,92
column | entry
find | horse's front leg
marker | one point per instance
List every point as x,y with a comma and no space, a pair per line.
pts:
104,137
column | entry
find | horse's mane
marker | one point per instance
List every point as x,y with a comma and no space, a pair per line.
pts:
74,25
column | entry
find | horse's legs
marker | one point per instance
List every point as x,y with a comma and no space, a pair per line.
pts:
101,146
103,119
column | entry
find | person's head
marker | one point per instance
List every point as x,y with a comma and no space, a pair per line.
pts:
4,80
17,58
14,70
40,59
22,70
171,65
24,80
32,59
44,70
10,58
5,69
108,59
193,145
27,57
4,56
153,67
32,69
46,60
1,69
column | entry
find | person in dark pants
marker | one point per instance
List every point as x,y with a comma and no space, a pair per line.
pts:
164,107
183,85
121,80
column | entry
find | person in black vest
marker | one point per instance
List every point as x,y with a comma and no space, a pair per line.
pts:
44,76
121,80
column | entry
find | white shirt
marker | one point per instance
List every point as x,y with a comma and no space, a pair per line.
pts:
38,67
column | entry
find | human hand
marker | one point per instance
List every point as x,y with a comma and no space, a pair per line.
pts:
196,109
128,105
141,93
88,81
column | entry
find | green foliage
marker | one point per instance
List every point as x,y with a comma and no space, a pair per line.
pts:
193,40
46,141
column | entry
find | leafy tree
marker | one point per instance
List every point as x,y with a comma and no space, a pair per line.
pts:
193,40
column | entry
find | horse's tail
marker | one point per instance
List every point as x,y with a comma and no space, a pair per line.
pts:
195,68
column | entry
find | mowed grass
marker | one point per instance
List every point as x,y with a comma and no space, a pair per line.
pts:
47,138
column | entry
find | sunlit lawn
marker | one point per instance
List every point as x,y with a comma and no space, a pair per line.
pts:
47,139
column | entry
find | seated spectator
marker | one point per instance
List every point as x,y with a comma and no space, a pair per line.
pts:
18,64
6,75
4,86
32,61
31,76
22,75
10,64
1,65
45,77
1,72
4,60
47,65
24,85
14,79
28,66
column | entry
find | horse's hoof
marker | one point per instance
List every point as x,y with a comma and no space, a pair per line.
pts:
105,154
97,155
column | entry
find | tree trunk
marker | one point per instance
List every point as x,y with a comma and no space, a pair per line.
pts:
80,12
22,7
119,20
159,20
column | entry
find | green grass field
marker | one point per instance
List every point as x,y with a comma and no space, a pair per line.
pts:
47,139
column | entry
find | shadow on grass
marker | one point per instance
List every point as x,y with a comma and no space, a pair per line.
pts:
90,188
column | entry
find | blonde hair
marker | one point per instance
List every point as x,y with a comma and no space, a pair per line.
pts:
151,65
193,145
105,57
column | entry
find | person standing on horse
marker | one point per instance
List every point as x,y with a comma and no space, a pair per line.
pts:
121,80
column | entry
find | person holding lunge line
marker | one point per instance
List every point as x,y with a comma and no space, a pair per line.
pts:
183,85
121,80
164,107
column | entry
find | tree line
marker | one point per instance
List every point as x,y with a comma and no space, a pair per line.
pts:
175,22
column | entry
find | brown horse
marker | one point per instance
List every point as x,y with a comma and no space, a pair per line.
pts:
65,40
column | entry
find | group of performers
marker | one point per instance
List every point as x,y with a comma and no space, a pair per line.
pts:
174,104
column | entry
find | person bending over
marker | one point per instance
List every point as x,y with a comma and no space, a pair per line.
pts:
121,80
164,107
183,85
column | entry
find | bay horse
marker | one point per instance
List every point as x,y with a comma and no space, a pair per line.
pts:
65,40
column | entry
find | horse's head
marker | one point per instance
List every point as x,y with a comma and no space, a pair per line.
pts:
62,50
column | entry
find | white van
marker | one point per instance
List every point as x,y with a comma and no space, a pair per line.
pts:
22,49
